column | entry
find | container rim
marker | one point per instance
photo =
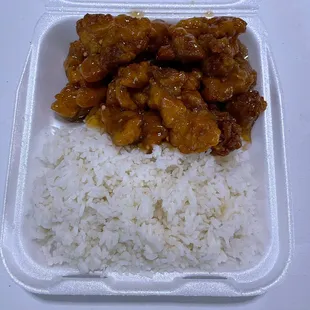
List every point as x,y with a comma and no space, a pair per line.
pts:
100,6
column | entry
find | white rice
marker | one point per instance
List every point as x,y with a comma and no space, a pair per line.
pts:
100,207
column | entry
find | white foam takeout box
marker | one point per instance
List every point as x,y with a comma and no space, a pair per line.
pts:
44,76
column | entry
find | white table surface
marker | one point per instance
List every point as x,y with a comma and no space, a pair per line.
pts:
289,36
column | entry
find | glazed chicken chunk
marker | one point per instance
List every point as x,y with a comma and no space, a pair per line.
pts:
189,131
77,54
111,42
153,130
239,80
246,108
124,126
74,103
230,138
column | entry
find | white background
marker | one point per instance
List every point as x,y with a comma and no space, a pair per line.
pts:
288,25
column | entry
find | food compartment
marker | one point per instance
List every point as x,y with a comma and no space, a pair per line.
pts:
22,257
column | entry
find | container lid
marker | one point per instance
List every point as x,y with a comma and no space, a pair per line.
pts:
105,5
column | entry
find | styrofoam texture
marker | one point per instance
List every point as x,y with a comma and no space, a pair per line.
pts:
44,76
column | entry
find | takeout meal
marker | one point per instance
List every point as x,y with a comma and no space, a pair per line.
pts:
134,188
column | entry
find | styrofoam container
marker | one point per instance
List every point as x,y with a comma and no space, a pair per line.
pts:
43,77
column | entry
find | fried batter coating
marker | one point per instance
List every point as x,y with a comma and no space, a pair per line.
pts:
124,127
228,26
140,97
193,100
92,69
230,138
159,35
193,39
185,45
90,97
241,78
135,75
193,80
93,118
170,79
125,90
190,131
182,46
174,81
226,45
218,27
166,53
153,131
195,25
77,54
123,97
111,100
65,104
246,108
218,65
74,103
112,41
